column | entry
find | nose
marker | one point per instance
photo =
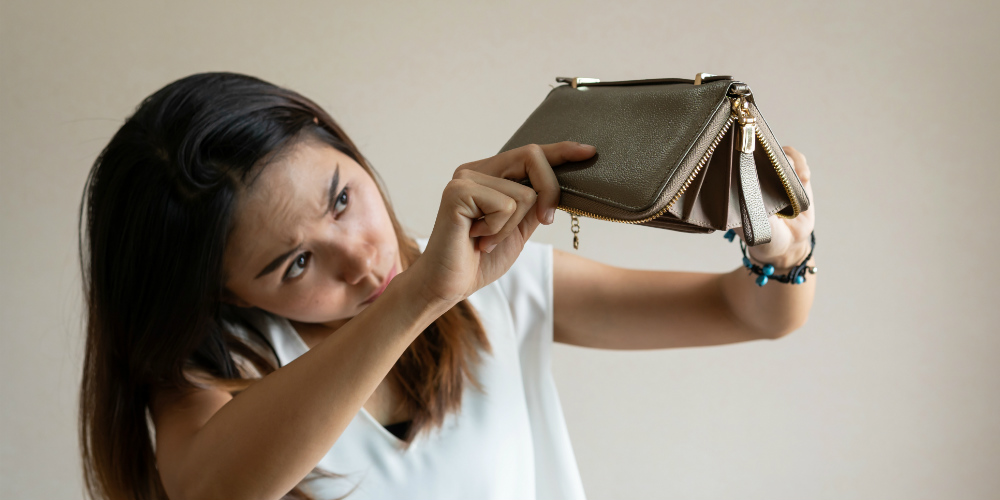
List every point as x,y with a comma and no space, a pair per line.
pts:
357,258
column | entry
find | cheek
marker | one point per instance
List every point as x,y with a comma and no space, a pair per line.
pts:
312,302
388,244
374,220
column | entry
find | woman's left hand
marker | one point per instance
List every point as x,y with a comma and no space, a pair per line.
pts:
789,237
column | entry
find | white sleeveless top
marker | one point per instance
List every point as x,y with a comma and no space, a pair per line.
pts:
509,443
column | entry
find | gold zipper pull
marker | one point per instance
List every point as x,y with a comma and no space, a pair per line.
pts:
748,125
574,227
756,228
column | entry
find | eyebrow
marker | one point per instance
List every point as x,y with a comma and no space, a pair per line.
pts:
330,197
268,269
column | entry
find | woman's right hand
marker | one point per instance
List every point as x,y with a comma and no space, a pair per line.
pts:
486,217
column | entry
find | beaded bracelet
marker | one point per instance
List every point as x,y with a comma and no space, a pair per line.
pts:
795,276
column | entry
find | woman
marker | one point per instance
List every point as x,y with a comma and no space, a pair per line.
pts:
259,324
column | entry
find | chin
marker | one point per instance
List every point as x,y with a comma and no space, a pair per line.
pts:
317,318
335,323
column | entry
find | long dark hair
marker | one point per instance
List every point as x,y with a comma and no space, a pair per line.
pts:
155,217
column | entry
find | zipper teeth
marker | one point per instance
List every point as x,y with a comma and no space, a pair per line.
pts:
680,192
781,175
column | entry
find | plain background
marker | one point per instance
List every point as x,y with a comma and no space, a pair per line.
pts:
892,388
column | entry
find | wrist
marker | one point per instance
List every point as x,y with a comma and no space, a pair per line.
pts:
794,273
786,261
414,286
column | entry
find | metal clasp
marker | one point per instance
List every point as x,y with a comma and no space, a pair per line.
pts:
701,76
577,82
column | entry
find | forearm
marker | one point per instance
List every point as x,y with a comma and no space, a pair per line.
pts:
266,439
769,311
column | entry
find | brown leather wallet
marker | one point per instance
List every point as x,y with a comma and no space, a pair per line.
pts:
686,155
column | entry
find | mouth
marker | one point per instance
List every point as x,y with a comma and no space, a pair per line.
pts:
388,278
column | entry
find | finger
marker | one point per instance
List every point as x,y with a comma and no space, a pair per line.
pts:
798,163
535,162
524,196
483,210
803,171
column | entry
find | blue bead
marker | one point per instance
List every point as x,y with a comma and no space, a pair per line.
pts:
730,235
761,280
768,270
799,280
746,263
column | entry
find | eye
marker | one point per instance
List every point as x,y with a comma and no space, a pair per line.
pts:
342,199
298,265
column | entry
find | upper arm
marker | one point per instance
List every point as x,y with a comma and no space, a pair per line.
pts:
602,306
178,415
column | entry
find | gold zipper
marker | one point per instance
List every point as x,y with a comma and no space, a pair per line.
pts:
796,208
687,183
680,192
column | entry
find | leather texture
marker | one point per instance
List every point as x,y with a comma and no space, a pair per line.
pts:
756,228
651,136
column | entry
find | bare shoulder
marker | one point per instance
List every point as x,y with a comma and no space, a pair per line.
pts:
193,406
178,414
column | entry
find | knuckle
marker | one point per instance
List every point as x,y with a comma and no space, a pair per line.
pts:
527,195
532,150
460,170
462,173
456,186
509,204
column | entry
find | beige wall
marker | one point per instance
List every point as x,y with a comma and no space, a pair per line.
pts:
892,389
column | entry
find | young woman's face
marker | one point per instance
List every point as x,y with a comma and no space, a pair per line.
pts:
312,240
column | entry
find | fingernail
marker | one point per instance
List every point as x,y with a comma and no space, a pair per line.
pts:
550,215
490,248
